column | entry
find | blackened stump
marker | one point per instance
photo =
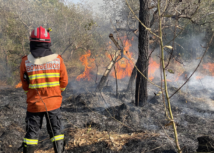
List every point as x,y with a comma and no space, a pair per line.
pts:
205,144
141,94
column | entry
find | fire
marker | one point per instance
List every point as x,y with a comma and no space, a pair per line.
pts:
168,80
178,68
124,66
86,60
19,85
153,66
177,78
199,77
209,67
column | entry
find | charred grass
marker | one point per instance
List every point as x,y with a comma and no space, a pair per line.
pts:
101,122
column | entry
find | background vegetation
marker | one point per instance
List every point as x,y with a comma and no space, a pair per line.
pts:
74,32
76,29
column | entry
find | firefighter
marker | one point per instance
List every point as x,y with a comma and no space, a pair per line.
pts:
44,77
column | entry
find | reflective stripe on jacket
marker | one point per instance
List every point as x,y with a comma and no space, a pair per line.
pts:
49,78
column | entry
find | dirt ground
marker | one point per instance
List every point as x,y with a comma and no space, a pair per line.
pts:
102,123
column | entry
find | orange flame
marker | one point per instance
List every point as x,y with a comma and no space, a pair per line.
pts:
124,66
177,78
19,85
209,67
179,69
85,61
153,66
199,77
168,80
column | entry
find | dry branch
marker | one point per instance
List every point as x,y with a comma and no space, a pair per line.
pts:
111,64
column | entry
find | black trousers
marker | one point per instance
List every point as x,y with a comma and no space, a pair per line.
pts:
34,124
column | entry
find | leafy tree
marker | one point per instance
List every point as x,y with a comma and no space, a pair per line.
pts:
73,30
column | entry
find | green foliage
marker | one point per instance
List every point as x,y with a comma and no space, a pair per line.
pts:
89,25
170,71
69,23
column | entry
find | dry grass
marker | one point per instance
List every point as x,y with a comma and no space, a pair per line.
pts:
3,83
89,136
48,151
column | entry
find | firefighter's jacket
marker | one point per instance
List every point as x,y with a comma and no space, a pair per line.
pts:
47,78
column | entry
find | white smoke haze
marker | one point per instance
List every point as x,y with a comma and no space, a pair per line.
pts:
188,66
196,94
199,88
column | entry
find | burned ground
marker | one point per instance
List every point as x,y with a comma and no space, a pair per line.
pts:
100,122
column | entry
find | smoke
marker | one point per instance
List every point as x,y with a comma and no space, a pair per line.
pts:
5,73
198,91
186,56
79,87
199,86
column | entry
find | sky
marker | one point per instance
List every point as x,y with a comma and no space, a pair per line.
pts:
75,1
90,1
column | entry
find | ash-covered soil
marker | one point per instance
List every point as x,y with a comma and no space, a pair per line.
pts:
103,123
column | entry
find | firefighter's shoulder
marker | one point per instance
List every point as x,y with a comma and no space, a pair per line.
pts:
24,56
60,56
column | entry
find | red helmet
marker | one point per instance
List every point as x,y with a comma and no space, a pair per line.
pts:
40,34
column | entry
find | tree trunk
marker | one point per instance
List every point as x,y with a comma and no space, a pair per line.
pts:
131,80
141,94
